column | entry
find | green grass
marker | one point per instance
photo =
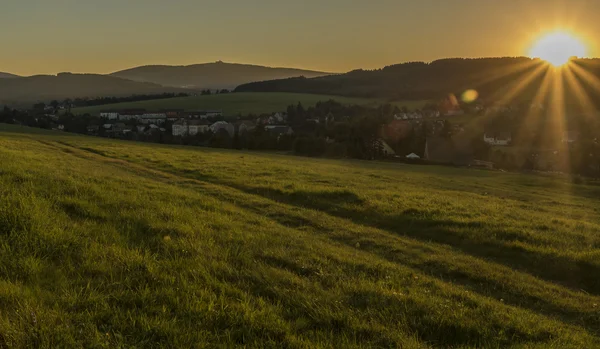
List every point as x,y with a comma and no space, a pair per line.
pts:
121,245
241,103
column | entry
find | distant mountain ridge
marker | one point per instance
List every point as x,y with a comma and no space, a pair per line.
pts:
67,85
8,76
218,75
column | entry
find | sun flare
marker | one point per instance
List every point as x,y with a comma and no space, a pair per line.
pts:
557,48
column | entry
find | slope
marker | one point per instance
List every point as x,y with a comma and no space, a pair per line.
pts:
66,85
236,103
8,76
494,79
217,75
114,244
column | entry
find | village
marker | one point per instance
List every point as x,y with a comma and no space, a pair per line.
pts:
459,134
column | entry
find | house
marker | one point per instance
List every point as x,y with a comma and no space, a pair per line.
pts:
180,128
119,127
213,113
93,129
497,138
279,130
277,118
385,147
109,114
197,126
130,115
155,118
223,126
172,114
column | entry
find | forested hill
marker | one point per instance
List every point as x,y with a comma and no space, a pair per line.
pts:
491,77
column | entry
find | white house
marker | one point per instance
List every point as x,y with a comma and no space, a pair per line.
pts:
109,114
213,113
180,128
500,139
123,116
277,119
155,118
222,125
197,126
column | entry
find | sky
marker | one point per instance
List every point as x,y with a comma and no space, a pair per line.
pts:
103,36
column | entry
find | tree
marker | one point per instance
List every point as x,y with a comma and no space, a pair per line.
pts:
300,109
446,131
54,104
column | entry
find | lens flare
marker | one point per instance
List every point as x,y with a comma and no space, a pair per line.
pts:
470,96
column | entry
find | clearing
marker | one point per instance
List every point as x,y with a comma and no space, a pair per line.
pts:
121,244
242,103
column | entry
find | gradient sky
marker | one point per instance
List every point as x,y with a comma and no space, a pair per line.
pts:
102,36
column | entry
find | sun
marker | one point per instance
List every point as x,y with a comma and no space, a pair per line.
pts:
557,48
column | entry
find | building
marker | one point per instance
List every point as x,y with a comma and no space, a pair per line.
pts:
279,130
180,128
384,147
172,114
223,126
153,118
212,114
109,114
197,126
498,138
93,129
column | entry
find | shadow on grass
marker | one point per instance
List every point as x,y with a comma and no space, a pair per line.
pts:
416,224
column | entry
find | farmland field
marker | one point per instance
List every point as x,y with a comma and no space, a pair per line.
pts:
241,103
121,244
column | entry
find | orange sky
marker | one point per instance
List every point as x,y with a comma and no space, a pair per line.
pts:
50,36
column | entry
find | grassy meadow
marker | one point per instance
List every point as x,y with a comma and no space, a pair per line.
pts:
241,103
107,244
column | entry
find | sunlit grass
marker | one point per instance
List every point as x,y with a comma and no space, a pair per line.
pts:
118,244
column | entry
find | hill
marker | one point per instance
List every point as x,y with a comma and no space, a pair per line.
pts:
8,76
120,244
493,78
236,103
217,75
66,85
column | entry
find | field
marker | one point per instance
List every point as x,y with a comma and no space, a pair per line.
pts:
108,244
240,103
